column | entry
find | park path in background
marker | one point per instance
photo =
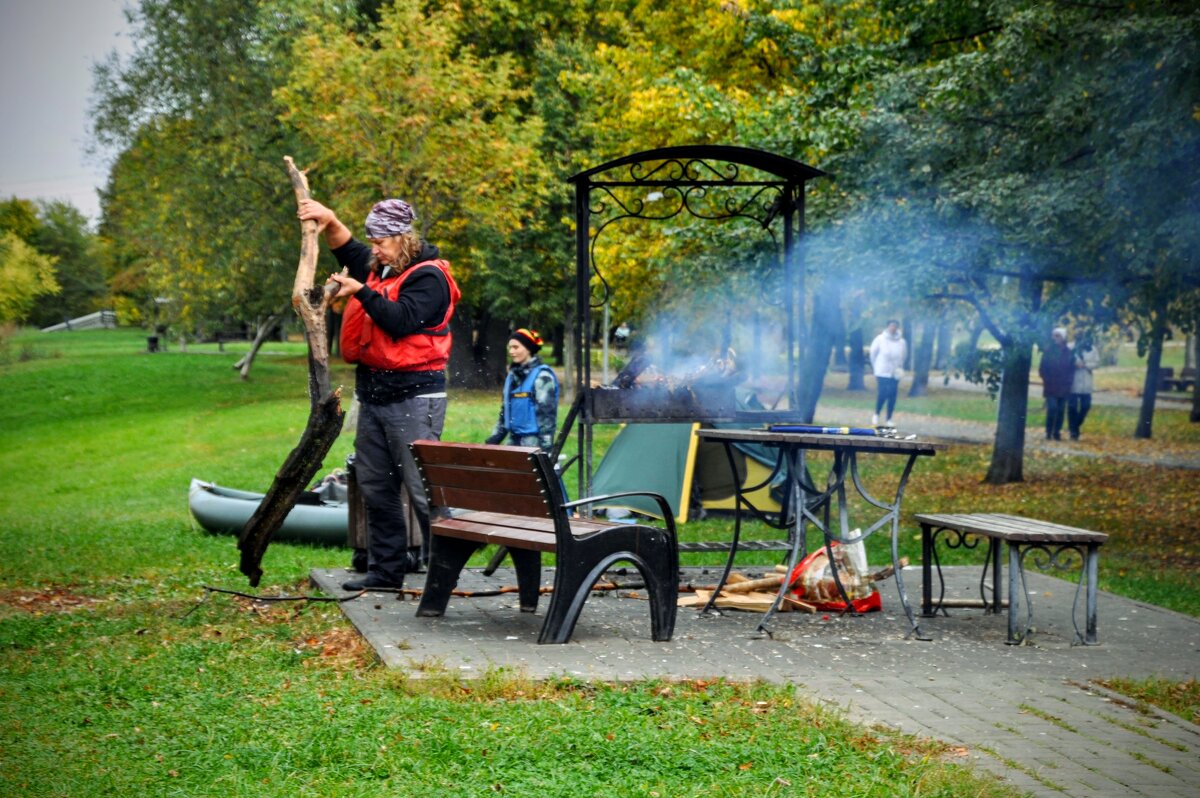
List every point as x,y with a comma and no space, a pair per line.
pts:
984,433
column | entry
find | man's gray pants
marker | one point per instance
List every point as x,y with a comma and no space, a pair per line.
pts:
383,465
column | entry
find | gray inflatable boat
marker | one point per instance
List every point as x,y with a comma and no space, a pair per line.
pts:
321,516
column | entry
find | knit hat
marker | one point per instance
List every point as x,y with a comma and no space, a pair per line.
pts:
391,217
528,339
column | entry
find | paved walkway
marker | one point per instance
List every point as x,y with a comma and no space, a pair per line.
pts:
1031,714
984,433
1028,713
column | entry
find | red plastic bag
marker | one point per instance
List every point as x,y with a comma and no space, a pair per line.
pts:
812,582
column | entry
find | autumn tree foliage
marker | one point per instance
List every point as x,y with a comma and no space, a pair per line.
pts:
51,240
1033,162
409,108
26,274
1009,162
198,208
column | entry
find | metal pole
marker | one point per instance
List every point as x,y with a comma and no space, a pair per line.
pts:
583,369
605,359
788,301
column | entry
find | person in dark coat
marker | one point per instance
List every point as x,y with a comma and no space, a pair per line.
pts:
1057,371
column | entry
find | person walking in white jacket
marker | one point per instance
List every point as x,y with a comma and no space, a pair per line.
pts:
888,352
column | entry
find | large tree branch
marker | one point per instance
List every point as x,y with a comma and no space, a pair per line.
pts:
985,317
325,417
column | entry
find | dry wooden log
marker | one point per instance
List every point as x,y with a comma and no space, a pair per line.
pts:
325,415
887,571
875,576
753,601
751,585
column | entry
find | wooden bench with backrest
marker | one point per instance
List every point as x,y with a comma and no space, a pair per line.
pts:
511,496
1022,535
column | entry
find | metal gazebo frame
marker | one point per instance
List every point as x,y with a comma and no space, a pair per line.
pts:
687,173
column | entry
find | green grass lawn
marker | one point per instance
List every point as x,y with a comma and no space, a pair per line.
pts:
119,677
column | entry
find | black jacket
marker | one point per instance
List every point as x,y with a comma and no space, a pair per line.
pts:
423,303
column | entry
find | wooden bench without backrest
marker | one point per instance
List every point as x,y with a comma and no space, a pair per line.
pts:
513,498
1022,535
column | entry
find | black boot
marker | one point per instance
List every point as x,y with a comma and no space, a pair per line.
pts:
373,581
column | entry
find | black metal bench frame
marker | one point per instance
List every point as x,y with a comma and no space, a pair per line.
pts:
511,496
1054,546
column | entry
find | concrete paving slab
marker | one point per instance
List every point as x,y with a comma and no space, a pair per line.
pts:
1028,713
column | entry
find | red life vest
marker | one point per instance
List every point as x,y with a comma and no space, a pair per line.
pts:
427,349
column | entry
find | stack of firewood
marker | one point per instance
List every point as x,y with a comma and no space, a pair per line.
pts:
757,595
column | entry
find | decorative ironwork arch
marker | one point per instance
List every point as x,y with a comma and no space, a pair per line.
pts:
763,187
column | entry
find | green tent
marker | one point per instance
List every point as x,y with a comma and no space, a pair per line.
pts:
669,459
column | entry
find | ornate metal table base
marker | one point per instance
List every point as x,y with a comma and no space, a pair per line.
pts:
805,503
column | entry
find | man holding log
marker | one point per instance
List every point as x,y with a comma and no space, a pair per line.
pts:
400,297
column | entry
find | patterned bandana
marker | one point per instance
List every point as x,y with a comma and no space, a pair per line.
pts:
392,217
528,339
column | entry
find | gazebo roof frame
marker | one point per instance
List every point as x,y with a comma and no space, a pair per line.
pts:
686,169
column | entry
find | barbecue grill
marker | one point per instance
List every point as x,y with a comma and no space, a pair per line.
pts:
762,187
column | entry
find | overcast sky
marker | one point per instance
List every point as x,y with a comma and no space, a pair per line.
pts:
47,48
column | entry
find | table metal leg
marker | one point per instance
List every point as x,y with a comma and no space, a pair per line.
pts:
737,531
796,534
1093,574
926,570
997,578
1015,591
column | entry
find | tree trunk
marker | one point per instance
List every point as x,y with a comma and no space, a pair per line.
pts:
325,413
974,336
478,350
1158,331
839,343
826,321
945,344
856,363
296,473
463,371
1194,416
1008,453
906,329
260,336
923,359
558,336
333,322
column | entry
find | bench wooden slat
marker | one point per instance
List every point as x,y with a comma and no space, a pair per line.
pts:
579,526
489,533
495,480
488,500
1052,526
473,455
1011,527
